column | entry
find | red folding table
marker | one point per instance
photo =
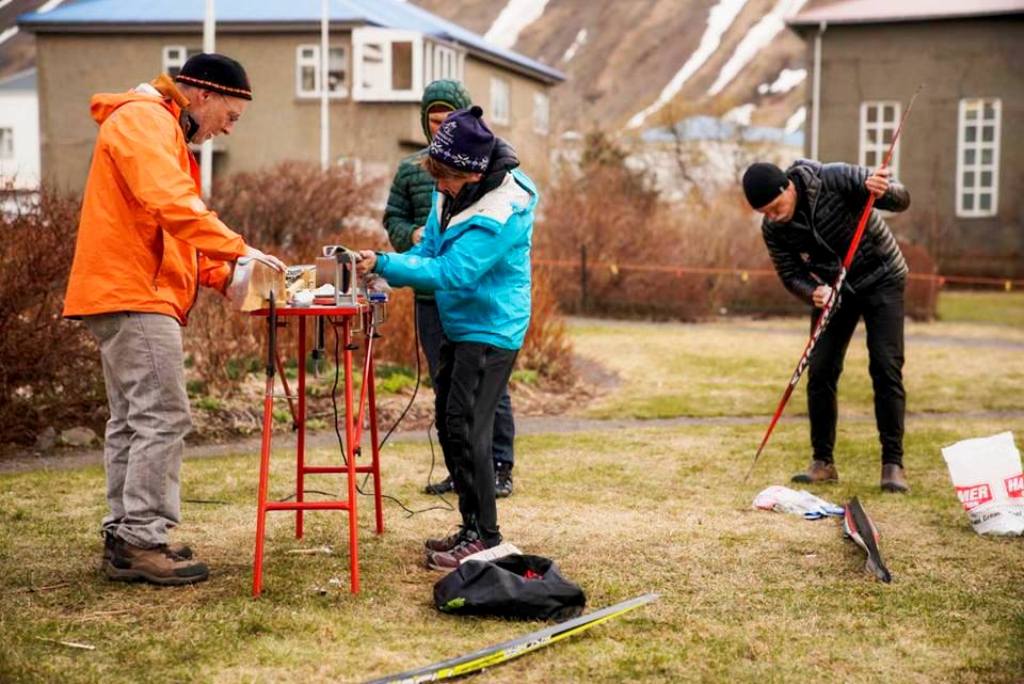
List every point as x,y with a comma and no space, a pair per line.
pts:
347,320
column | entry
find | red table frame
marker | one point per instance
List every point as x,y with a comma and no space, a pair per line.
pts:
340,317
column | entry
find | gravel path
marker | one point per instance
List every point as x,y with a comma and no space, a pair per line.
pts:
525,425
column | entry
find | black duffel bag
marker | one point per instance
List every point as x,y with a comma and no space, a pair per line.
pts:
517,586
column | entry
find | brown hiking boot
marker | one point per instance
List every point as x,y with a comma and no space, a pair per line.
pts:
894,478
183,551
818,472
158,565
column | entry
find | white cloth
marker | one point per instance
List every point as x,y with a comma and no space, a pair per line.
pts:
786,500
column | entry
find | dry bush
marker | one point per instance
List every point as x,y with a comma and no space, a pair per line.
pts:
49,368
291,210
648,257
547,348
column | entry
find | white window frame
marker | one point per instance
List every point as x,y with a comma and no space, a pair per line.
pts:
541,113
880,126
501,101
175,56
7,141
384,90
307,56
978,146
442,60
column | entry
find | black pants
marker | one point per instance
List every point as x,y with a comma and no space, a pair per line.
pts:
428,323
471,378
881,307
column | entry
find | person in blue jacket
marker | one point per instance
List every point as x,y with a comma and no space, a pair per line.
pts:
475,257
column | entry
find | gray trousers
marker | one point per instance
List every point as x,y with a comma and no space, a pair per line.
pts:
144,373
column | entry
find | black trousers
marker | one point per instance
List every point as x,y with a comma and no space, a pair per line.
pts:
471,378
428,322
881,307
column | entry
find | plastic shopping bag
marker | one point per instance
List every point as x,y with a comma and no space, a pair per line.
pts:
986,473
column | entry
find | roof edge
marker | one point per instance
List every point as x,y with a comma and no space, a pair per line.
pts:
814,18
543,72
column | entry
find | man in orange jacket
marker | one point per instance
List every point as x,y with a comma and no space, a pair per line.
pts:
146,242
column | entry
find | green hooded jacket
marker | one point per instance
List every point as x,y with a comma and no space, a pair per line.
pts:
409,199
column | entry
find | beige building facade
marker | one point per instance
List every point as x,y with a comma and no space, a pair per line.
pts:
375,80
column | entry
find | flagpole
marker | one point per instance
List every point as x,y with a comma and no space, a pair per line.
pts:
206,151
325,127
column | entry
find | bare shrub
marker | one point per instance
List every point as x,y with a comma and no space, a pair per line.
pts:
547,348
49,369
693,259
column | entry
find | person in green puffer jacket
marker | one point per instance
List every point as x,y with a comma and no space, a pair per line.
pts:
404,219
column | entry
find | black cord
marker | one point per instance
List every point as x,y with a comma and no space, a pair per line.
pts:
341,444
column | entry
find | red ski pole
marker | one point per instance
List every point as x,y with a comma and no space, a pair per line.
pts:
833,299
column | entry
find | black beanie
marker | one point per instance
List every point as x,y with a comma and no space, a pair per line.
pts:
217,73
464,141
762,183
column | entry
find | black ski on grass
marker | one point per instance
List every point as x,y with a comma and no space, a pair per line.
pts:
858,527
503,652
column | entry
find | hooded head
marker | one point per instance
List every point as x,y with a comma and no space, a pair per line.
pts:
441,98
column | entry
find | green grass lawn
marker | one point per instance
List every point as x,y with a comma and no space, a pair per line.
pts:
1001,308
741,368
746,595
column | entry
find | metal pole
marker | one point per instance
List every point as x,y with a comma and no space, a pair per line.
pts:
583,278
325,127
206,153
816,95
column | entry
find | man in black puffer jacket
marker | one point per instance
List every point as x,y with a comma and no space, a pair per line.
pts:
810,215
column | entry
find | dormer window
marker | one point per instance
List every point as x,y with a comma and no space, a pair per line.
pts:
394,66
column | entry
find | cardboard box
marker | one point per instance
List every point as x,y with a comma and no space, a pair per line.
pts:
264,280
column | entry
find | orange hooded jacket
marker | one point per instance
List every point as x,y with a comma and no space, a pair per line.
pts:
146,239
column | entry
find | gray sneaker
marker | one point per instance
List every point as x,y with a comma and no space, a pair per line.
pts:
502,480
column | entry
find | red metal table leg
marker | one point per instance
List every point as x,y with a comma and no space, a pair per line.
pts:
371,377
261,496
300,424
353,531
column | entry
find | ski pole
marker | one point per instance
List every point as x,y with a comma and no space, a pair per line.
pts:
833,299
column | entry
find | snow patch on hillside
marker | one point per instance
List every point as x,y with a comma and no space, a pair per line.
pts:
741,115
760,35
796,121
784,82
581,40
720,18
517,15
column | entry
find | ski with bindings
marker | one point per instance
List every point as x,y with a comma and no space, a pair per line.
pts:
505,651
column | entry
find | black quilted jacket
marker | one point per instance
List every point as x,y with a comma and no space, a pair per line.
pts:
807,256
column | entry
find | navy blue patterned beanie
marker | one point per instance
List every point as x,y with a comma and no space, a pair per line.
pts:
464,141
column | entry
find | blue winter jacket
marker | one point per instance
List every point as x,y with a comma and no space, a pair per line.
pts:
479,267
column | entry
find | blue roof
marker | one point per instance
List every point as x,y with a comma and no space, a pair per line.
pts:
383,13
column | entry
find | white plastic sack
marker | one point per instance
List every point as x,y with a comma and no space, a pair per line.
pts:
986,473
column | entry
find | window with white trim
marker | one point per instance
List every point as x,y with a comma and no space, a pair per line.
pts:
977,157
387,64
6,143
175,56
541,113
499,101
442,61
878,123
307,71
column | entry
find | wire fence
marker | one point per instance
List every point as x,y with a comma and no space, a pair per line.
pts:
692,292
